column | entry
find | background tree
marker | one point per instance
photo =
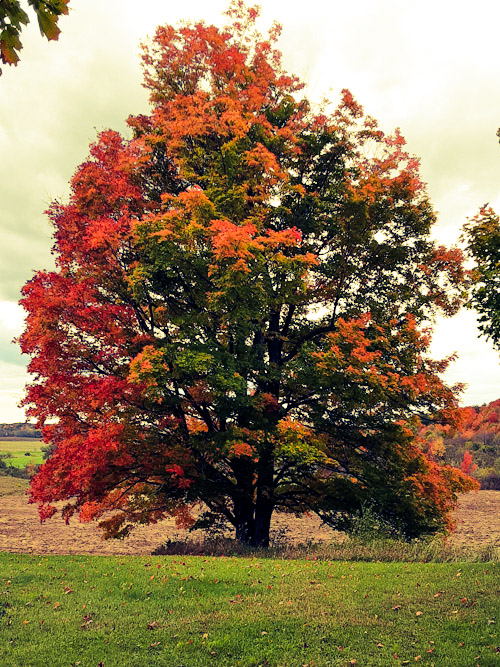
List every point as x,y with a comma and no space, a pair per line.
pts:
13,18
235,318
482,235
475,437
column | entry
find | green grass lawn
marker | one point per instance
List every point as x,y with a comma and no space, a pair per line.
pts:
18,450
198,611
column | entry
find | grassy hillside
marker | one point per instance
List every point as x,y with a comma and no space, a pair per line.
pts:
21,452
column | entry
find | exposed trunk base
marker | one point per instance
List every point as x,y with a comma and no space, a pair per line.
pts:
262,526
253,525
253,511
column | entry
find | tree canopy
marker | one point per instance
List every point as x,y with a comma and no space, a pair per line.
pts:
236,323
482,235
13,17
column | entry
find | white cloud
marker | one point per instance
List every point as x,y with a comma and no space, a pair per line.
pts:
14,379
477,364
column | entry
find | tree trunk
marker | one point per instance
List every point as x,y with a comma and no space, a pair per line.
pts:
263,513
265,498
244,512
252,522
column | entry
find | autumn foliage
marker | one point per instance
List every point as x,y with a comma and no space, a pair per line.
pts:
472,442
236,317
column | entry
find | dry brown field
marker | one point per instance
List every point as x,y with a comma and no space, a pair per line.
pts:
477,517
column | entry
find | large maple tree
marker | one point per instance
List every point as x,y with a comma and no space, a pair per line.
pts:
235,320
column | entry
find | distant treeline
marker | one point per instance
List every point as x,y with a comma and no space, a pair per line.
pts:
19,430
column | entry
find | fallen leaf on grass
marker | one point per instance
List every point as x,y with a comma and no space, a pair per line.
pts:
153,625
87,620
396,608
419,613
154,644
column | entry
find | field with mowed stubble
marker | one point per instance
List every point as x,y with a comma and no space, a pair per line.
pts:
21,531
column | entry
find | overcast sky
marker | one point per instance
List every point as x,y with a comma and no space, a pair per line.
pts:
430,68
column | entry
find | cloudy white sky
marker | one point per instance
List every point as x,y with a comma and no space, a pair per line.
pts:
430,68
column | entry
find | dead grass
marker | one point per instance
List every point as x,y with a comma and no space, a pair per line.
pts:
478,532
12,486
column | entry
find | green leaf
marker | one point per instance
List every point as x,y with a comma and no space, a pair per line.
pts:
9,43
